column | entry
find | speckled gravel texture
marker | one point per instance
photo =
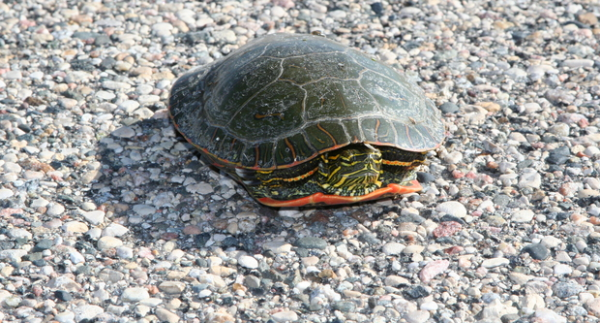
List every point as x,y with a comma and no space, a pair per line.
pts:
108,215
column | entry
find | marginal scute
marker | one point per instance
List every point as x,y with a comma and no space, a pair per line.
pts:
326,134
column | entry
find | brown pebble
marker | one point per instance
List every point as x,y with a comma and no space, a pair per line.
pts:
191,229
327,273
492,165
152,290
588,18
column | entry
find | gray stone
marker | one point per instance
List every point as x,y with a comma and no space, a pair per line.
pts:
134,294
109,242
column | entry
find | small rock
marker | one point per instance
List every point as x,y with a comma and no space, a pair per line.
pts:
134,294
449,107
171,287
285,316
65,317
6,193
94,217
452,208
55,209
562,269
548,315
559,155
495,262
124,132
114,230
278,247
577,63
567,289
588,18
529,177
311,243
452,157
124,252
76,257
87,312
433,269
551,242
75,227
447,229
537,251
143,209
418,316
166,316
521,216
392,248
200,188
394,280
593,306
109,242
248,262
225,36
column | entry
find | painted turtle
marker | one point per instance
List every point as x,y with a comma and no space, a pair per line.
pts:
302,120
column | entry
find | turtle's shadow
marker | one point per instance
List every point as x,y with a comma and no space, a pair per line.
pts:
155,184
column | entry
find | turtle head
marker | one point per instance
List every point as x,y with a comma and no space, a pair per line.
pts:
353,170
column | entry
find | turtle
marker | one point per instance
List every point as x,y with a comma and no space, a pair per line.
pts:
302,120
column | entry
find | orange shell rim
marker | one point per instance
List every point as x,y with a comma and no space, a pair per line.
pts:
327,199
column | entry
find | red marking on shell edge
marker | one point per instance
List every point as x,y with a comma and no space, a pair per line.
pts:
326,199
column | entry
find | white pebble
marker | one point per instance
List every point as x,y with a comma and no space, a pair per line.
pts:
453,208
248,262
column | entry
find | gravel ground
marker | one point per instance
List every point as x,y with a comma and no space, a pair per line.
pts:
107,215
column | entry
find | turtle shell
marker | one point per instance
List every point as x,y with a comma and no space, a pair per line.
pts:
284,99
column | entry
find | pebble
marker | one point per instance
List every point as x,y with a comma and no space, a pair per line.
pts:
278,247
134,294
76,257
166,316
392,248
577,63
311,243
115,230
55,209
248,262
75,227
285,316
87,312
5,193
433,269
94,217
108,242
536,251
200,188
562,269
449,107
65,317
394,280
452,208
171,287
530,178
124,132
495,262
521,216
